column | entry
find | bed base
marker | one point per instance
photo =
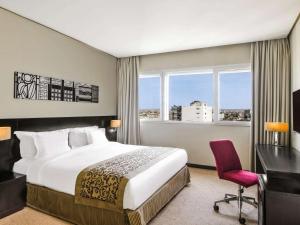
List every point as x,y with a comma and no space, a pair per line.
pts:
63,205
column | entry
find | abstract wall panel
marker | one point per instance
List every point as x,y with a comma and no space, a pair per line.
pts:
35,87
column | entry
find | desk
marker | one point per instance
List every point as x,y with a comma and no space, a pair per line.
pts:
279,185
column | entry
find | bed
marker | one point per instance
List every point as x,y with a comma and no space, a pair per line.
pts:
52,183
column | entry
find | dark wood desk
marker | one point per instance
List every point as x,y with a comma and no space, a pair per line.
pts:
279,185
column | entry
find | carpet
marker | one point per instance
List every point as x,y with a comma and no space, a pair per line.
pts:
192,206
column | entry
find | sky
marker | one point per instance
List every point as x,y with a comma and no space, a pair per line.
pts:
235,90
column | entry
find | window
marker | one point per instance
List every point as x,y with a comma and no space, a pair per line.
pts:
149,97
214,95
235,96
191,97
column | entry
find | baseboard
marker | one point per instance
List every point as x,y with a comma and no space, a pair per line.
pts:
201,166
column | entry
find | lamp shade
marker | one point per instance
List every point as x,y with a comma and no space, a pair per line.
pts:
115,123
277,126
5,133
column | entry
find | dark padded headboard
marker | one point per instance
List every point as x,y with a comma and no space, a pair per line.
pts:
10,151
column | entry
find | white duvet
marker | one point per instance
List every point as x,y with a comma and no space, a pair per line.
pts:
60,172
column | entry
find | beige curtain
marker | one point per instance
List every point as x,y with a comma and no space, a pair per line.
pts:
128,113
271,89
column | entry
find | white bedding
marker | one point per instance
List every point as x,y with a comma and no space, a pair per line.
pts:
22,166
60,172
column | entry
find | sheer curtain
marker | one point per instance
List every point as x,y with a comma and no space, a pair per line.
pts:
271,89
128,112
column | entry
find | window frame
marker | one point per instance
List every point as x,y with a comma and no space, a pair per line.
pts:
151,75
215,70
228,69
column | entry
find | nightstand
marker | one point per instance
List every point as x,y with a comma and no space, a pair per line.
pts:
111,134
12,193
6,158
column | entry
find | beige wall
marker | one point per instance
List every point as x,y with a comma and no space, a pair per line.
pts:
195,137
29,47
216,56
295,55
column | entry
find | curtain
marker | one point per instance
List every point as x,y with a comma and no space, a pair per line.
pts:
271,90
128,113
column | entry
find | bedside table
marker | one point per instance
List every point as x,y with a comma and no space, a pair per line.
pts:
111,134
12,193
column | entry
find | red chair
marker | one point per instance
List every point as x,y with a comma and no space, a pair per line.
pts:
229,168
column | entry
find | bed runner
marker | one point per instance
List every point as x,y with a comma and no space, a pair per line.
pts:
103,184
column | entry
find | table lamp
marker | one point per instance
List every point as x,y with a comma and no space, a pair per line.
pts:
276,127
115,124
5,133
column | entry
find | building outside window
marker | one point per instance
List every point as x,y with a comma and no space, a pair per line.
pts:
175,113
197,111
215,95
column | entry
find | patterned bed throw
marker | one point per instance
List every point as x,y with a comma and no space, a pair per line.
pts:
103,184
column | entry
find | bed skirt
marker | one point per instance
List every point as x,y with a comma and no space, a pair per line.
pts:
63,205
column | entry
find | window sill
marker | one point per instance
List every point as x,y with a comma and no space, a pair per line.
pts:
219,123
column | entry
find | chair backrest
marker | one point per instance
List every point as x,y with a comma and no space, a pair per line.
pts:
225,156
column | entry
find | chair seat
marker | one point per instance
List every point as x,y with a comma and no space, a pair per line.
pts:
241,177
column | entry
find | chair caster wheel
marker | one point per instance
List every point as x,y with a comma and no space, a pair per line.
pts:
242,220
216,208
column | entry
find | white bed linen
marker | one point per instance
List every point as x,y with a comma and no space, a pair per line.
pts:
22,166
60,172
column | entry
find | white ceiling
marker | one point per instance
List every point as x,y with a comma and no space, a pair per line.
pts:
138,27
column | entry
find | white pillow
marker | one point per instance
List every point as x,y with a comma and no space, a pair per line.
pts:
51,143
27,146
84,128
97,137
78,136
77,139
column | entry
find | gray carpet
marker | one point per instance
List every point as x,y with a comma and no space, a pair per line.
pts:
192,206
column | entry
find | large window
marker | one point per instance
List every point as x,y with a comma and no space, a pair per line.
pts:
215,95
149,97
191,97
235,96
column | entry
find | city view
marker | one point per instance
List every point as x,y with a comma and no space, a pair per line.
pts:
149,114
175,114
191,97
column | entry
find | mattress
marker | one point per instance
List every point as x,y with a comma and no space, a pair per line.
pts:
60,172
22,166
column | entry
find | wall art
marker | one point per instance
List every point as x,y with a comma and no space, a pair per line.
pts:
35,87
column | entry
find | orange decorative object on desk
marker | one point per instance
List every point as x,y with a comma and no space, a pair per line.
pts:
276,127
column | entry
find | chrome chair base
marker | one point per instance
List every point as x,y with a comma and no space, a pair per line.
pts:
240,199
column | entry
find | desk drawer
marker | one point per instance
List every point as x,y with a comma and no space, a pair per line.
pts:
282,208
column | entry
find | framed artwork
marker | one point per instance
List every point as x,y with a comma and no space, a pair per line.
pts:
35,87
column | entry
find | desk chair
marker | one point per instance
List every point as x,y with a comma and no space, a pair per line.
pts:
229,168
